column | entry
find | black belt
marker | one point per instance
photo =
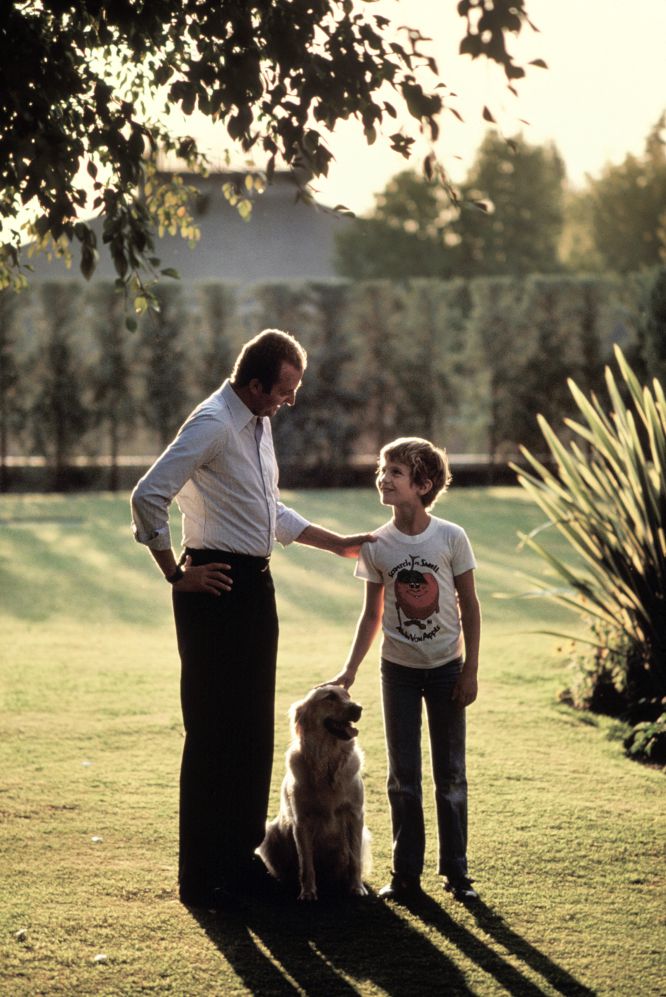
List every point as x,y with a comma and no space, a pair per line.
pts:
242,562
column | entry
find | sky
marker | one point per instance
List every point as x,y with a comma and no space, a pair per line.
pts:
604,90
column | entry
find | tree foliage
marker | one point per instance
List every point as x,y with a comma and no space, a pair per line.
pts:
59,413
511,210
507,220
114,405
163,365
628,208
10,377
403,237
86,88
217,308
653,330
467,363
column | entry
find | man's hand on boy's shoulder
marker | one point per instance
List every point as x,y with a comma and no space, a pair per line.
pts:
466,688
336,543
351,545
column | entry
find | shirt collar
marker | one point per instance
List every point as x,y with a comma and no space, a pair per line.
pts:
240,413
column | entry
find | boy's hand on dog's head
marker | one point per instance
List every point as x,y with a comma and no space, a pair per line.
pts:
345,678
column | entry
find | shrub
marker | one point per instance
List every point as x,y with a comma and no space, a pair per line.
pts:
603,676
647,741
607,497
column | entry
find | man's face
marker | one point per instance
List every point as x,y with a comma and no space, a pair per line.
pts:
283,391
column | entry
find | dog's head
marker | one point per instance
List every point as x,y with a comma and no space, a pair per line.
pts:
329,707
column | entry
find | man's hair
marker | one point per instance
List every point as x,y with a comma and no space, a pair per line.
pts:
425,461
263,356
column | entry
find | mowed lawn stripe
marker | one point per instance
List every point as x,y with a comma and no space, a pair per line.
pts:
566,834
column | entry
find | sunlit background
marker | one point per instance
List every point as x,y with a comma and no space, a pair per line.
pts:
604,89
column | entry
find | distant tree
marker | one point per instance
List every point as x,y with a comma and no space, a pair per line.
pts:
507,221
561,318
115,406
164,399
10,396
511,210
628,208
652,332
288,305
292,307
499,347
324,425
578,250
375,310
429,355
404,236
89,85
215,351
59,413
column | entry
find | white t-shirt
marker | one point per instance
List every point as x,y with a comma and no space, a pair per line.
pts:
421,622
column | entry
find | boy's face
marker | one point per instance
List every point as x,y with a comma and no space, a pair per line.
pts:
395,485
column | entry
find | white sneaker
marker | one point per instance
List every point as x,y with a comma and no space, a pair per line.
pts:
461,889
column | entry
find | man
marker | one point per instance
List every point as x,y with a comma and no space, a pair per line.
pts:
222,467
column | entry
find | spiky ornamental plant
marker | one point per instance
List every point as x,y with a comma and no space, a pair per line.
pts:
607,497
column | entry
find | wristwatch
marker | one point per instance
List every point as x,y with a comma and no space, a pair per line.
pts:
176,576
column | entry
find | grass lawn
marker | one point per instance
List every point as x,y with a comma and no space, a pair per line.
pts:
566,834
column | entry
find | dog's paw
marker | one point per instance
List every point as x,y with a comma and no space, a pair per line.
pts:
359,891
308,893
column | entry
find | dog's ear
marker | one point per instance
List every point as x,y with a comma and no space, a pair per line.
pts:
296,715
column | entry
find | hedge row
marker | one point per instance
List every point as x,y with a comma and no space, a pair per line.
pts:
466,363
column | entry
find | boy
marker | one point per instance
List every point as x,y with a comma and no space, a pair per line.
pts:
419,586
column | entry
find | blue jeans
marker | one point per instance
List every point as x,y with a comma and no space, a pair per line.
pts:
403,690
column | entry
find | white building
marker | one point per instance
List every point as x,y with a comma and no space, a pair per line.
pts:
284,239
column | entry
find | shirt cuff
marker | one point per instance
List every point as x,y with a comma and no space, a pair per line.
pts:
157,540
289,526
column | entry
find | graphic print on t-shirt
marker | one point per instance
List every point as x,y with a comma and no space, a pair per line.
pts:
416,597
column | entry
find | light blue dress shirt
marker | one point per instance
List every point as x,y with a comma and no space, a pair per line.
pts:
224,481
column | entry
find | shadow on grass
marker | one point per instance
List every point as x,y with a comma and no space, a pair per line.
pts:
494,926
332,949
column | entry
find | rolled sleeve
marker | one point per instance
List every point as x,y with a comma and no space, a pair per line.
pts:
156,490
150,511
159,539
289,525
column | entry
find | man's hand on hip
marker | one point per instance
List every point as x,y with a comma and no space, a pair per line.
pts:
211,578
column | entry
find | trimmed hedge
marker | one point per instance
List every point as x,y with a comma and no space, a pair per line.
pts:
467,363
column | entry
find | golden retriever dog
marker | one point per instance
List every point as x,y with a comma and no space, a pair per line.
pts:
318,841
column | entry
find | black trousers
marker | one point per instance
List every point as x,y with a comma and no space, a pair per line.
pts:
228,651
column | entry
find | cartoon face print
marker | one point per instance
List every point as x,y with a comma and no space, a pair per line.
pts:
417,595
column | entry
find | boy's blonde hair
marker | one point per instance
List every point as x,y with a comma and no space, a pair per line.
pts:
425,461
